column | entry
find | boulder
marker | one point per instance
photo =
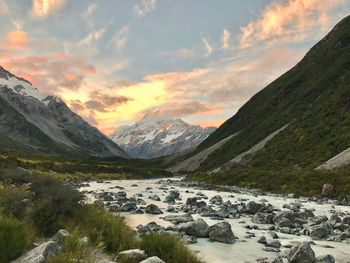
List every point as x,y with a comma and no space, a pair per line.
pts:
217,199
61,234
152,260
131,255
169,199
174,194
39,254
327,190
325,259
334,219
154,197
129,206
191,201
178,219
279,259
284,222
253,208
189,239
198,228
262,218
273,243
346,220
262,240
149,228
301,253
222,232
321,231
153,209
284,215
120,195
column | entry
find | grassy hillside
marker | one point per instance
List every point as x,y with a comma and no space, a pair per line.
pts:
314,97
75,168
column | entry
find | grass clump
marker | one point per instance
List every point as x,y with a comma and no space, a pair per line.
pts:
168,247
103,227
15,238
74,250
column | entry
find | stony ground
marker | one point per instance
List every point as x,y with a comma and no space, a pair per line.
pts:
232,224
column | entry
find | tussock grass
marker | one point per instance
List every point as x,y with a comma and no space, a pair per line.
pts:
168,247
103,227
15,238
74,250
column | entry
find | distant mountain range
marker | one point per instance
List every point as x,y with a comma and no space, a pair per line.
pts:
154,136
37,122
299,121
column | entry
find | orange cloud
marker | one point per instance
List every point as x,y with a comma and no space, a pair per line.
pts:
289,21
17,39
43,8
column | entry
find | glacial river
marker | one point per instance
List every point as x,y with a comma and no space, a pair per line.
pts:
245,249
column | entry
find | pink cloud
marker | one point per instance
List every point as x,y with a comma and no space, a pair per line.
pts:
289,21
52,72
17,39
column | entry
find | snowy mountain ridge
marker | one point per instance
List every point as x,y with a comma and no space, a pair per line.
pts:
153,137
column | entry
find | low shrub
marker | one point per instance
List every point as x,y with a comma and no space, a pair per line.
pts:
15,238
168,247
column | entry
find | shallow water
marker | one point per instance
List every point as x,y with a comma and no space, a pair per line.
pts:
244,249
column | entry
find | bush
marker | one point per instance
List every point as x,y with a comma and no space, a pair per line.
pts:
168,247
54,203
15,201
15,237
104,227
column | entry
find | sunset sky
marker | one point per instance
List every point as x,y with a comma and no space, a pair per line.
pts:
112,61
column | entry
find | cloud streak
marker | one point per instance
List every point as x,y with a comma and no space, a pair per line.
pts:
207,46
43,8
145,7
121,38
225,38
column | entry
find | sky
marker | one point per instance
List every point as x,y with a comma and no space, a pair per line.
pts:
113,61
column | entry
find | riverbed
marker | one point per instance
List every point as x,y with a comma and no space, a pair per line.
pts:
246,248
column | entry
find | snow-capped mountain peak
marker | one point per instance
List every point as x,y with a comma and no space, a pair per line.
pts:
30,119
155,136
23,87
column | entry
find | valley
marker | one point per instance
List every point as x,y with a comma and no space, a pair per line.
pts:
204,152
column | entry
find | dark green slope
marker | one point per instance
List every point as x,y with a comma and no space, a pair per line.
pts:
314,97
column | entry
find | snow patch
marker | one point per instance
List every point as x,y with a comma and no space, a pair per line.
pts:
171,137
25,89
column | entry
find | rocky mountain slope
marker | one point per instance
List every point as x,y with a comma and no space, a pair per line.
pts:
312,104
154,137
34,121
